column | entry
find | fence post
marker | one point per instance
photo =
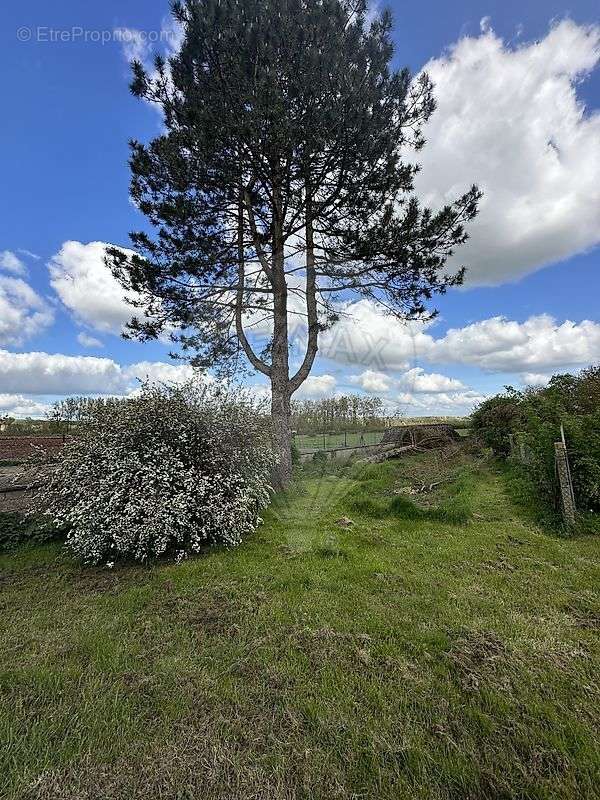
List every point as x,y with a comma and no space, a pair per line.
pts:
567,497
345,438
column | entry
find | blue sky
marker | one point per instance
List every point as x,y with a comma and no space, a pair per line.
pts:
519,113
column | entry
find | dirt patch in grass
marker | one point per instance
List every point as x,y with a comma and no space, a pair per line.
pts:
225,751
99,581
584,615
190,764
500,565
481,660
479,657
326,643
215,613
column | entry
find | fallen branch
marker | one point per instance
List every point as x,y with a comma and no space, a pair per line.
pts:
429,487
385,455
18,488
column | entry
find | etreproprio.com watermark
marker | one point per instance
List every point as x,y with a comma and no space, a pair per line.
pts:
46,34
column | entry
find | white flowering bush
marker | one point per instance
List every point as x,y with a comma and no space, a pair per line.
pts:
163,473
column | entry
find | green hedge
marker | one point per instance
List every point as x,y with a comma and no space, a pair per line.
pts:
534,417
16,530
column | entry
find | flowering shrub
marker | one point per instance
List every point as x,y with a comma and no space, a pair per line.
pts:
165,472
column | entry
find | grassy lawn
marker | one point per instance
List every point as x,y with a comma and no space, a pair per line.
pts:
411,655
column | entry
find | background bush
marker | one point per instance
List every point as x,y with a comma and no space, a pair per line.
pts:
534,417
164,472
495,419
15,530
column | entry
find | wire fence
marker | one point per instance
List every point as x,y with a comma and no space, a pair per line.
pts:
311,442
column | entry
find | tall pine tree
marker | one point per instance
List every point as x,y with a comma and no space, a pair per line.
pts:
281,171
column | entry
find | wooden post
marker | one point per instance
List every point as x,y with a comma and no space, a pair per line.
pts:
567,497
511,444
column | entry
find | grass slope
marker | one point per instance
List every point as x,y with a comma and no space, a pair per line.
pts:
407,656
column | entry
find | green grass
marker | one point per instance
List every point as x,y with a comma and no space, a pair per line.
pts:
405,656
451,504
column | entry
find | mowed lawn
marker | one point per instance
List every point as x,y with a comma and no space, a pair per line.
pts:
396,658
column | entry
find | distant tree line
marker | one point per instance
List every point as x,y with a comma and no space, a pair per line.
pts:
343,413
10,426
64,417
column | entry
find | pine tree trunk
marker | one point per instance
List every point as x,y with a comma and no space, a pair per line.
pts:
282,434
280,371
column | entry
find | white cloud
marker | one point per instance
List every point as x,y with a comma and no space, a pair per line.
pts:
372,381
15,405
87,287
159,372
414,380
23,313
39,373
417,380
364,335
12,263
418,392
316,386
29,254
485,24
459,403
143,46
135,44
368,337
538,344
534,379
88,341
510,120
42,373
139,45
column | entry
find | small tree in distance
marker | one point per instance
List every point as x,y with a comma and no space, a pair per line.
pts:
280,175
